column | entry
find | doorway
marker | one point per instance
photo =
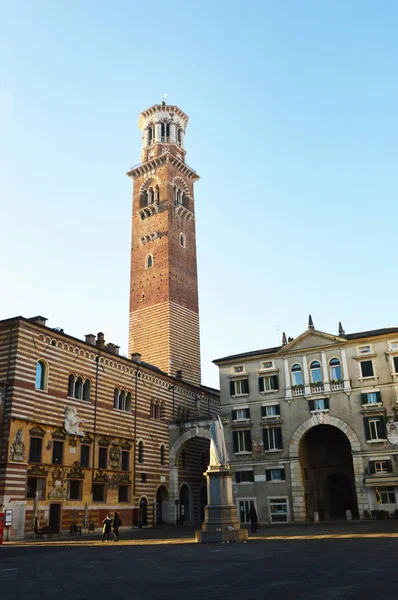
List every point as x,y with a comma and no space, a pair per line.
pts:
162,505
54,520
143,522
328,473
185,508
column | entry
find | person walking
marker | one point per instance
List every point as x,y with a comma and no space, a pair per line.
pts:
117,522
106,529
253,519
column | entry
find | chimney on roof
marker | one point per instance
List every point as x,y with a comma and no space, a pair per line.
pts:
341,330
136,357
310,322
179,374
90,339
100,343
284,340
38,320
112,348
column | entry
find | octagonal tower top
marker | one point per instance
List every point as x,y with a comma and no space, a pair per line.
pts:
163,129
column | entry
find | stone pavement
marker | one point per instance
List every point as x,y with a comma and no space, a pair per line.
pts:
282,562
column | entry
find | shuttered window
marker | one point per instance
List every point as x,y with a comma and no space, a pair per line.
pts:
371,398
268,383
241,414
380,466
272,438
375,428
244,476
242,441
239,387
320,404
270,411
275,474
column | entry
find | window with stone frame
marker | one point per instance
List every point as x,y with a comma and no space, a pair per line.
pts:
58,453
125,460
318,404
244,476
162,454
102,457
99,492
395,362
268,383
41,375
242,441
369,398
380,466
270,411
35,450
36,485
84,456
366,367
123,493
375,428
241,414
385,495
75,489
277,474
239,387
272,438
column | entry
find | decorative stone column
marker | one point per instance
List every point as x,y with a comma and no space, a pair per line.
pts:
221,523
287,378
173,132
307,387
158,132
326,383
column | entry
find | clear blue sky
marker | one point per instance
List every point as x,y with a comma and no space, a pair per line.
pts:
293,129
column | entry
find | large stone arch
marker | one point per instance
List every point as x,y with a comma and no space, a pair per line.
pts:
295,468
174,488
185,437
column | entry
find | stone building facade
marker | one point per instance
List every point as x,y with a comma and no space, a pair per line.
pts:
164,309
311,425
85,431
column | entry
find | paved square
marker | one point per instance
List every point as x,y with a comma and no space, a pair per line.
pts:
171,565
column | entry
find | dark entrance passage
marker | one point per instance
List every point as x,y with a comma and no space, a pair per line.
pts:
143,512
202,502
185,509
162,505
328,473
55,518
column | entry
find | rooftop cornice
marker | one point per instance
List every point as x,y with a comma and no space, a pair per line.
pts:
150,165
162,107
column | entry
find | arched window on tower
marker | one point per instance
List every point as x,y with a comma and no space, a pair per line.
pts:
41,375
140,452
79,388
148,261
86,390
297,375
150,135
162,454
183,240
177,196
71,386
179,136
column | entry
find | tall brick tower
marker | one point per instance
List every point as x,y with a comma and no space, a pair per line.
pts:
164,311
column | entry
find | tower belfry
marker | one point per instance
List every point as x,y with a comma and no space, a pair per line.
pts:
164,311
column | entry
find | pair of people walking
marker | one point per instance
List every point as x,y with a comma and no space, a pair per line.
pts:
107,527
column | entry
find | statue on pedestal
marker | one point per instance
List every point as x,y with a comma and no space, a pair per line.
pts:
218,450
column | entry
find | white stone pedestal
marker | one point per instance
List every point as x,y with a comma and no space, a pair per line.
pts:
221,522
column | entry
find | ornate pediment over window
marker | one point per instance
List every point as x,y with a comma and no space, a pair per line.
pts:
125,445
59,434
37,431
86,439
38,470
76,471
103,442
101,477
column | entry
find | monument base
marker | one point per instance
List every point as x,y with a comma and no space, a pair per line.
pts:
226,535
221,523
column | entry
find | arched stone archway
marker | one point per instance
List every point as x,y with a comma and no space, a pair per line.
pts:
295,468
194,432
